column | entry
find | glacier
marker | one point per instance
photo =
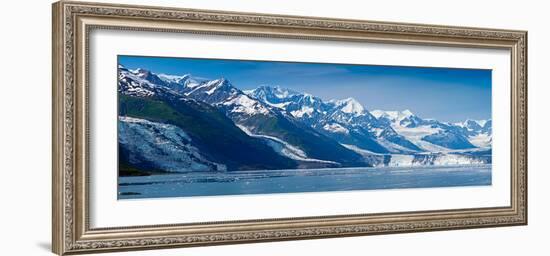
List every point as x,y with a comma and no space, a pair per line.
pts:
161,146
284,148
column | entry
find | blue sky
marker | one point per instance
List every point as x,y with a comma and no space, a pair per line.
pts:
446,94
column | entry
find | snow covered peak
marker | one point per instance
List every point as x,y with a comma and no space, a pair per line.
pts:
242,103
378,113
141,83
472,122
282,93
407,113
292,101
405,118
211,91
142,72
482,122
221,84
393,115
350,106
217,82
473,125
174,78
272,94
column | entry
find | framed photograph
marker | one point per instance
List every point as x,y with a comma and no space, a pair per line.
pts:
179,127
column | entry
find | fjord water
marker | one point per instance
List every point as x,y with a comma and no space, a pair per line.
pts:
292,181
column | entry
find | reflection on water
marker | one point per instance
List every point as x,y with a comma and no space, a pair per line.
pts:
311,180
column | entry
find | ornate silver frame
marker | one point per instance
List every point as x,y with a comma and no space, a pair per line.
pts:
72,21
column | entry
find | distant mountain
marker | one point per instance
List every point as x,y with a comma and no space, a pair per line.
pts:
346,120
479,132
432,135
184,123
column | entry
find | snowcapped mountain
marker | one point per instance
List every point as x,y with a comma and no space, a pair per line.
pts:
487,127
302,106
351,114
475,127
434,136
346,121
472,125
172,79
403,118
212,125
262,119
479,132
223,94
349,106
140,83
216,136
254,117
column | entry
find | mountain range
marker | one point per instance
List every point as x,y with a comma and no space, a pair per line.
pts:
181,123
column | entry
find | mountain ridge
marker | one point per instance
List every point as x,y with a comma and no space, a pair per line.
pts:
309,131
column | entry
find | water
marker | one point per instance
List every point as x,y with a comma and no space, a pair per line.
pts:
291,181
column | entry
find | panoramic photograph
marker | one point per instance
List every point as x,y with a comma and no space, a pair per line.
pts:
213,127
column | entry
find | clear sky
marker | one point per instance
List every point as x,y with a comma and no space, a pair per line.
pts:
446,94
